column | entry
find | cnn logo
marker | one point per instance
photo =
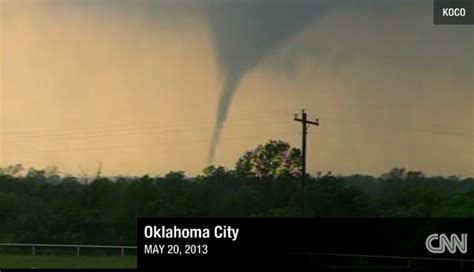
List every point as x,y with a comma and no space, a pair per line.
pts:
443,243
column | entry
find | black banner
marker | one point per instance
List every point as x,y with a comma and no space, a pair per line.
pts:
349,243
453,12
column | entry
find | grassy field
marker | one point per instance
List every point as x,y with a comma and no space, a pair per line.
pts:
47,261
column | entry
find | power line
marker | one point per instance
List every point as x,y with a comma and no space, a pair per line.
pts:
371,142
142,145
119,128
176,127
400,128
171,123
129,133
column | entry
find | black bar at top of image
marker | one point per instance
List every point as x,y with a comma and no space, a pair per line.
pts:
316,243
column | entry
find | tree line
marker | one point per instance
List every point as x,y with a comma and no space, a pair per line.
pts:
42,206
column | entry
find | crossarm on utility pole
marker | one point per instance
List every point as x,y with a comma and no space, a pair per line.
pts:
316,122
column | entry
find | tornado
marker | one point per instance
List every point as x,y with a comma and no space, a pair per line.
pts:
246,31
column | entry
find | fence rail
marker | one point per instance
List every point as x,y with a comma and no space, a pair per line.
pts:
77,247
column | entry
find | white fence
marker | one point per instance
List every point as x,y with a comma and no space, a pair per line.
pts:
34,247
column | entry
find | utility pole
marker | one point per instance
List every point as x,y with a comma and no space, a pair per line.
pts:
305,123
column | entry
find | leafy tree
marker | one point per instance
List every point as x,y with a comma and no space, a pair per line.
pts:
395,174
271,160
12,170
175,176
218,171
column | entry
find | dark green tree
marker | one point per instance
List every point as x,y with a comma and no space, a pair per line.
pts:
269,161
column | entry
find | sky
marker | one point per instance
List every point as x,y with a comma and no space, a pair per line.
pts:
148,86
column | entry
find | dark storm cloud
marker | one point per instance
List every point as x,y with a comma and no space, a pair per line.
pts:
244,32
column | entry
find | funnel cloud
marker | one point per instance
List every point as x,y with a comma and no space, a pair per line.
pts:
244,32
